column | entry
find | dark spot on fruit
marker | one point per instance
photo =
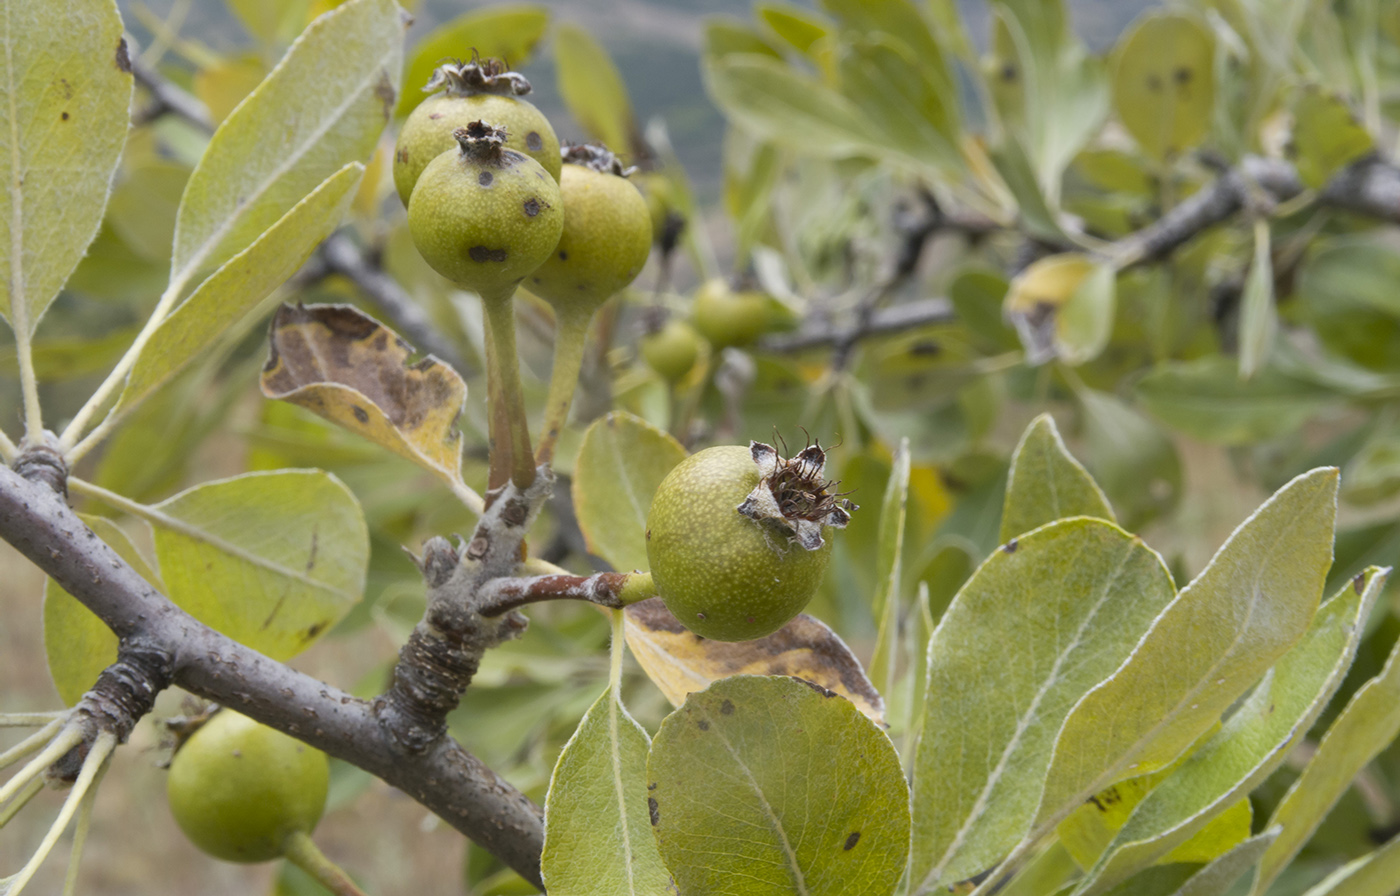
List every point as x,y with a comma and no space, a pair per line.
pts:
123,60
435,116
484,254
401,155
726,708
750,619
851,841
533,141
563,256
64,116
1182,76
485,178
532,206
1154,83
1010,547
703,725
359,413
700,616
653,810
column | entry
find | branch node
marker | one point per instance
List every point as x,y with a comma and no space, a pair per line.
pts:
43,462
123,694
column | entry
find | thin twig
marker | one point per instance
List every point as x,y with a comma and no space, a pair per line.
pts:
603,588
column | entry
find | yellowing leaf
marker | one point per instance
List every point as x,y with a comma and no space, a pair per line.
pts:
1062,307
354,371
1164,83
67,82
680,662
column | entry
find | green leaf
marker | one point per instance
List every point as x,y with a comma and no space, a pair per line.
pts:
593,91
597,830
723,37
1254,741
778,104
321,108
1207,400
620,463
1368,724
142,207
67,85
238,286
1346,284
1253,601
1164,83
272,560
1258,317
903,21
1373,473
1220,875
1374,874
1132,458
507,31
770,786
78,644
270,20
797,26
910,109
1047,484
1042,621
889,548
1326,136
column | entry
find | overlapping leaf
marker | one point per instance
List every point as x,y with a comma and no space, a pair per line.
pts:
593,90
597,830
1046,483
1164,83
322,107
771,786
67,86
506,31
1254,600
1038,625
272,560
239,285
620,463
1253,742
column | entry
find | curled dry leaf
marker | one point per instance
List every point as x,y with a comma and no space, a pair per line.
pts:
355,372
681,662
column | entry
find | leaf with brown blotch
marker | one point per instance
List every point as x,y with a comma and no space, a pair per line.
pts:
354,371
681,662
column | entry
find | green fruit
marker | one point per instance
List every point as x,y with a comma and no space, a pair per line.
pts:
485,216
728,318
606,238
239,789
734,538
672,351
482,91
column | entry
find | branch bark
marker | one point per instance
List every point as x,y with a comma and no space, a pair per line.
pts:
445,778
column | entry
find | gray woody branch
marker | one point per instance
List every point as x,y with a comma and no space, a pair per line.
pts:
1370,187
338,255
440,774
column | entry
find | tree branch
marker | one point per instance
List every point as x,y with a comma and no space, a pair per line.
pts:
444,778
603,588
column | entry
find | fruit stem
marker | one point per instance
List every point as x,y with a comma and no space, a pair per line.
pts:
303,853
511,457
570,340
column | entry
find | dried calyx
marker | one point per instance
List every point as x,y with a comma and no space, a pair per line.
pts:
478,76
481,141
595,156
793,500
